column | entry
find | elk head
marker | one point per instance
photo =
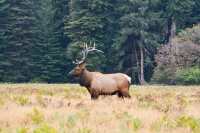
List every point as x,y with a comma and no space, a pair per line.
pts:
81,64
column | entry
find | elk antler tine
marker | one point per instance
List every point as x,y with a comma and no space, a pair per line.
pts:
86,46
94,45
99,50
77,61
83,55
86,49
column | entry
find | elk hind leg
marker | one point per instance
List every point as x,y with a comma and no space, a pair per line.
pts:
119,94
123,94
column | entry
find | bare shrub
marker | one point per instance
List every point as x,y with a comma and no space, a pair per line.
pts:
183,53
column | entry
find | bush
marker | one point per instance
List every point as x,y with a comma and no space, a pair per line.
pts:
189,76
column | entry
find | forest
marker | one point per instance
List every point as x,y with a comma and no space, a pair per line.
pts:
153,41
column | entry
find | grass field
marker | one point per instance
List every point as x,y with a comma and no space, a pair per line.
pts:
62,108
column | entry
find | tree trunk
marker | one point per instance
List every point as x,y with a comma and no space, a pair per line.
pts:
71,7
142,80
172,49
132,62
172,34
171,30
137,63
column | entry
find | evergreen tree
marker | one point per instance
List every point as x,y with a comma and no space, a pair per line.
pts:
138,37
52,43
33,46
4,12
19,37
176,13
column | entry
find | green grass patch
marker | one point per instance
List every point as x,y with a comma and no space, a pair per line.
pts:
36,116
21,100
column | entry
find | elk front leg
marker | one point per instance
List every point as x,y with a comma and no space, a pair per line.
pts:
94,95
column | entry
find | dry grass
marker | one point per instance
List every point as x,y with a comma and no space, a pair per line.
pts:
62,108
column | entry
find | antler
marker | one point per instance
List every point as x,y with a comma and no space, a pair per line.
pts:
85,52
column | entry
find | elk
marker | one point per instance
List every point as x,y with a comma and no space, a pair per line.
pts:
98,83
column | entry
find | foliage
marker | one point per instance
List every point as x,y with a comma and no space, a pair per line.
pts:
189,76
191,34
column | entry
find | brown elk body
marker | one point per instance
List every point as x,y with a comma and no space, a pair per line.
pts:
102,84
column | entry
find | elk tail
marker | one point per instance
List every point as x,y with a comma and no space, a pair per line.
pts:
128,78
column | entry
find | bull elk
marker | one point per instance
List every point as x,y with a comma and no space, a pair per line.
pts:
98,83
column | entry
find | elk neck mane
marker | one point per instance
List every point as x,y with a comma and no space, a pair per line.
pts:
86,78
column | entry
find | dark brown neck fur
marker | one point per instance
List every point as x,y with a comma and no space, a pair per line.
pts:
85,78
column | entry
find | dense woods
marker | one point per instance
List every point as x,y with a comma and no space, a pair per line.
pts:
150,40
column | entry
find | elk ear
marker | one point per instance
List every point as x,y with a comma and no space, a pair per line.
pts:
82,65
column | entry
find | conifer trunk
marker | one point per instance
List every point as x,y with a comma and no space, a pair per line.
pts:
171,30
142,80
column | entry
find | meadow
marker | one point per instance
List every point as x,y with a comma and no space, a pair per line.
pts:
65,108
